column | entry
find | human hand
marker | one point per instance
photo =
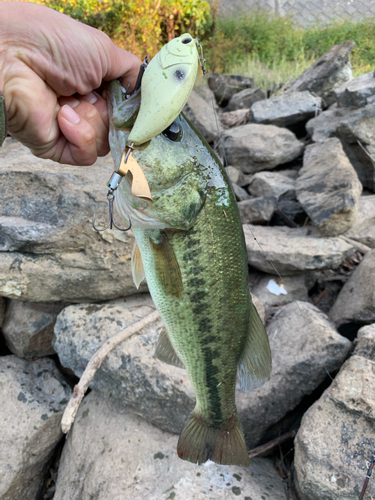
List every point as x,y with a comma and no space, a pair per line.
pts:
49,66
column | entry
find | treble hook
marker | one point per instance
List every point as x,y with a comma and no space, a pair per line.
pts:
111,223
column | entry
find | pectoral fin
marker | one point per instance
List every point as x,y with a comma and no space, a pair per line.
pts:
255,364
167,268
165,352
138,271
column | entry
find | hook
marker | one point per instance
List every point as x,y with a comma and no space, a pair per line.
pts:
111,222
201,59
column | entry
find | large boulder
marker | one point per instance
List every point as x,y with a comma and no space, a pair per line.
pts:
276,184
120,456
202,116
363,229
286,109
257,210
357,92
356,301
324,125
245,99
50,252
328,72
292,250
273,291
225,86
28,327
336,437
328,187
254,147
365,342
33,397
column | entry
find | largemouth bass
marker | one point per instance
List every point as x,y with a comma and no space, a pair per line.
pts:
191,248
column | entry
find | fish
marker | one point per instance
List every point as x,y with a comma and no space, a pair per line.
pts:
190,246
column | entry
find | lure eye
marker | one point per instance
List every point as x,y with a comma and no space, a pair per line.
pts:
186,41
173,132
179,74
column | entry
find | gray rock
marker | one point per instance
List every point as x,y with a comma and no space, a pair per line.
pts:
225,86
273,184
33,397
241,193
304,347
245,99
291,208
328,187
202,116
356,301
328,72
273,292
120,456
28,327
253,147
2,311
363,229
49,250
160,393
365,342
337,436
235,118
293,250
257,210
356,93
325,125
206,94
286,109
237,177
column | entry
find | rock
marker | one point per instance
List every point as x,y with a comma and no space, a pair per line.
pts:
28,327
33,397
337,436
241,193
237,177
291,209
365,342
304,347
160,393
328,187
286,109
245,99
46,231
272,184
121,456
253,148
257,210
2,311
356,301
206,94
325,125
328,72
225,86
235,118
363,229
273,292
356,92
202,116
292,250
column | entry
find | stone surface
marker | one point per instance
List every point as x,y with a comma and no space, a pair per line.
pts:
257,210
273,184
235,118
328,72
325,125
286,109
2,311
273,292
365,342
237,177
254,147
328,187
356,301
202,116
356,92
49,250
241,193
160,393
304,346
363,229
207,94
28,327
337,436
33,397
245,99
225,86
122,457
292,250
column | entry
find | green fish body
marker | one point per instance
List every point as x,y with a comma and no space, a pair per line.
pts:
191,248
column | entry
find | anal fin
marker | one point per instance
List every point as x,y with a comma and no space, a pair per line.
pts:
165,352
138,271
255,364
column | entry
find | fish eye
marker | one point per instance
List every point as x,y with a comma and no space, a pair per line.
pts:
179,74
186,41
173,132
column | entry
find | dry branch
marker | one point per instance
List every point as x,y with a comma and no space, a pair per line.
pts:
272,444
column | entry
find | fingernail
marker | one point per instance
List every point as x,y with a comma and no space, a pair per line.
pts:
70,115
91,98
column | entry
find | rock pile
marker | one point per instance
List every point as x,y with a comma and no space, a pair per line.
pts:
304,178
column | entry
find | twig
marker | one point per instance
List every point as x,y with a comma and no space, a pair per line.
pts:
367,478
365,150
272,444
95,363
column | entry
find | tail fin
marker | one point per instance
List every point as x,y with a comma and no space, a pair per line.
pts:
225,445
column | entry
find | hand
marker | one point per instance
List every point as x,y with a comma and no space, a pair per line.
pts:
49,66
